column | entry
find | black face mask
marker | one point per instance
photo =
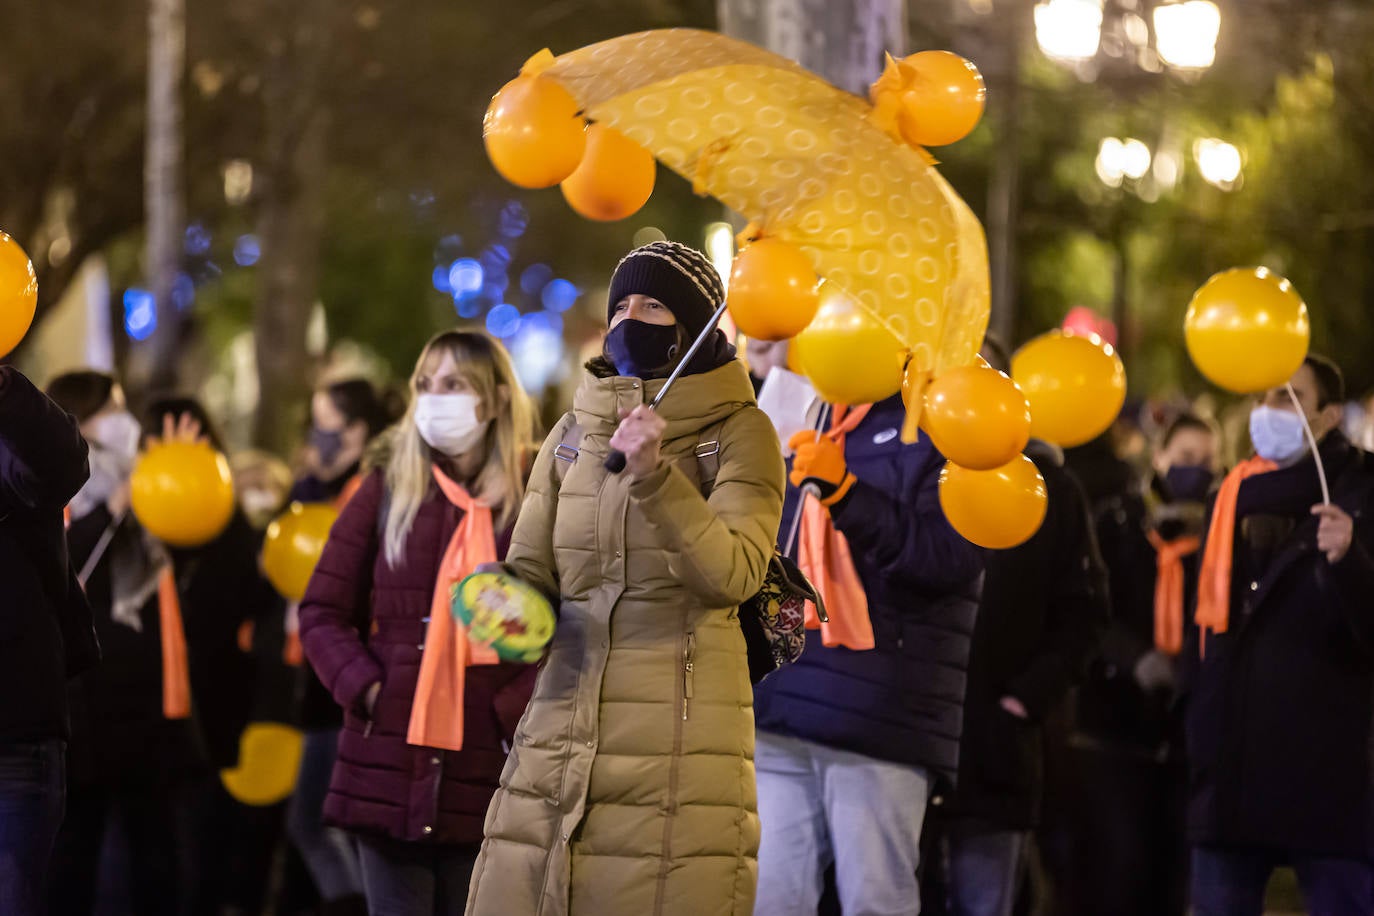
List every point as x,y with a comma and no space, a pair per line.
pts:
642,350
327,444
1188,483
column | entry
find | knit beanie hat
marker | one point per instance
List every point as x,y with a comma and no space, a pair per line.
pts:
680,277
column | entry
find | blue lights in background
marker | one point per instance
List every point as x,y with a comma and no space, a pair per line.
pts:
503,320
440,279
468,308
465,276
183,292
140,313
197,239
534,278
514,220
247,250
559,295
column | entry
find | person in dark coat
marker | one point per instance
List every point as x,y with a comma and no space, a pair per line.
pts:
1042,614
418,810
1280,690
128,762
853,743
43,463
345,416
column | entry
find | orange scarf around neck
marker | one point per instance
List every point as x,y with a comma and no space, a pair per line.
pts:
824,557
176,672
1214,582
1169,589
436,717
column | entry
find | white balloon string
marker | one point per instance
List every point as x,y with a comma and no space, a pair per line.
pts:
1312,444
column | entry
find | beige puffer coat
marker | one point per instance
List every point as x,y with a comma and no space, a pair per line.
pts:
630,789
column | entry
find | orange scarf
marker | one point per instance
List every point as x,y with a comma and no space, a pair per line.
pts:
1214,583
1169,589
176,675
823,555
176,672
436,717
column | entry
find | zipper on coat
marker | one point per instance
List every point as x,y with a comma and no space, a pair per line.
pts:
688,668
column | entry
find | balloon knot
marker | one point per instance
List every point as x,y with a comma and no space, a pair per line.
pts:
749,234
537,64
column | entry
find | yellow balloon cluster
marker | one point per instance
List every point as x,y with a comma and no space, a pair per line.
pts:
182,493
293,546
536,137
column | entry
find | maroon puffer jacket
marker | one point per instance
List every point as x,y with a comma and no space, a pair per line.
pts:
382,785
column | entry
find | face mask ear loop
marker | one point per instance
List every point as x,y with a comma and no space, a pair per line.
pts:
1312,444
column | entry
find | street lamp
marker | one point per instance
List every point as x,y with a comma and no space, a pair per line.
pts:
1069,30
1186,33
1218,161
1118,160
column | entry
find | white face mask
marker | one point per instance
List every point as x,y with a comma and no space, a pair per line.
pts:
790,402
1277,434
118,434
448,422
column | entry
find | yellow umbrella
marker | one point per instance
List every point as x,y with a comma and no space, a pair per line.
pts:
809,164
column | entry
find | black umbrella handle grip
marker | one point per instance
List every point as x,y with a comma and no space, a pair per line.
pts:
615,461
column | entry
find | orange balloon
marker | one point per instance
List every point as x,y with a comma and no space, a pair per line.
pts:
849,357
613,180
18,294
533,132
293,546
1247,330
995,509
182,493
978,418
772,290
1076,386
946,101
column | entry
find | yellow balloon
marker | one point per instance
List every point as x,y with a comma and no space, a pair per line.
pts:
1247,330
533,132
977,417
18,294
772,290
293,546
614,179
1076,386
849,357
997,509
269,759
182,493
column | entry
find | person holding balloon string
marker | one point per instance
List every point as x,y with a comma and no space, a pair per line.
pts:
630,786
428,710
1279,680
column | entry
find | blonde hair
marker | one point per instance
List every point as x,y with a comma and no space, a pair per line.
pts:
486,366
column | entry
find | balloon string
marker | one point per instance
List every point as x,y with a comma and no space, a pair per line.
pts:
1312,444
808,490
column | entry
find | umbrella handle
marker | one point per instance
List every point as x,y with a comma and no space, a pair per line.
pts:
615,461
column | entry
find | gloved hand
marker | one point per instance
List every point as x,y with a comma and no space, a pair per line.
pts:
820,463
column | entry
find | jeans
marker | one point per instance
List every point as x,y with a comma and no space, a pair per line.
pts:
985,867
416,879
1231,882
329,853
33,786
820,805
